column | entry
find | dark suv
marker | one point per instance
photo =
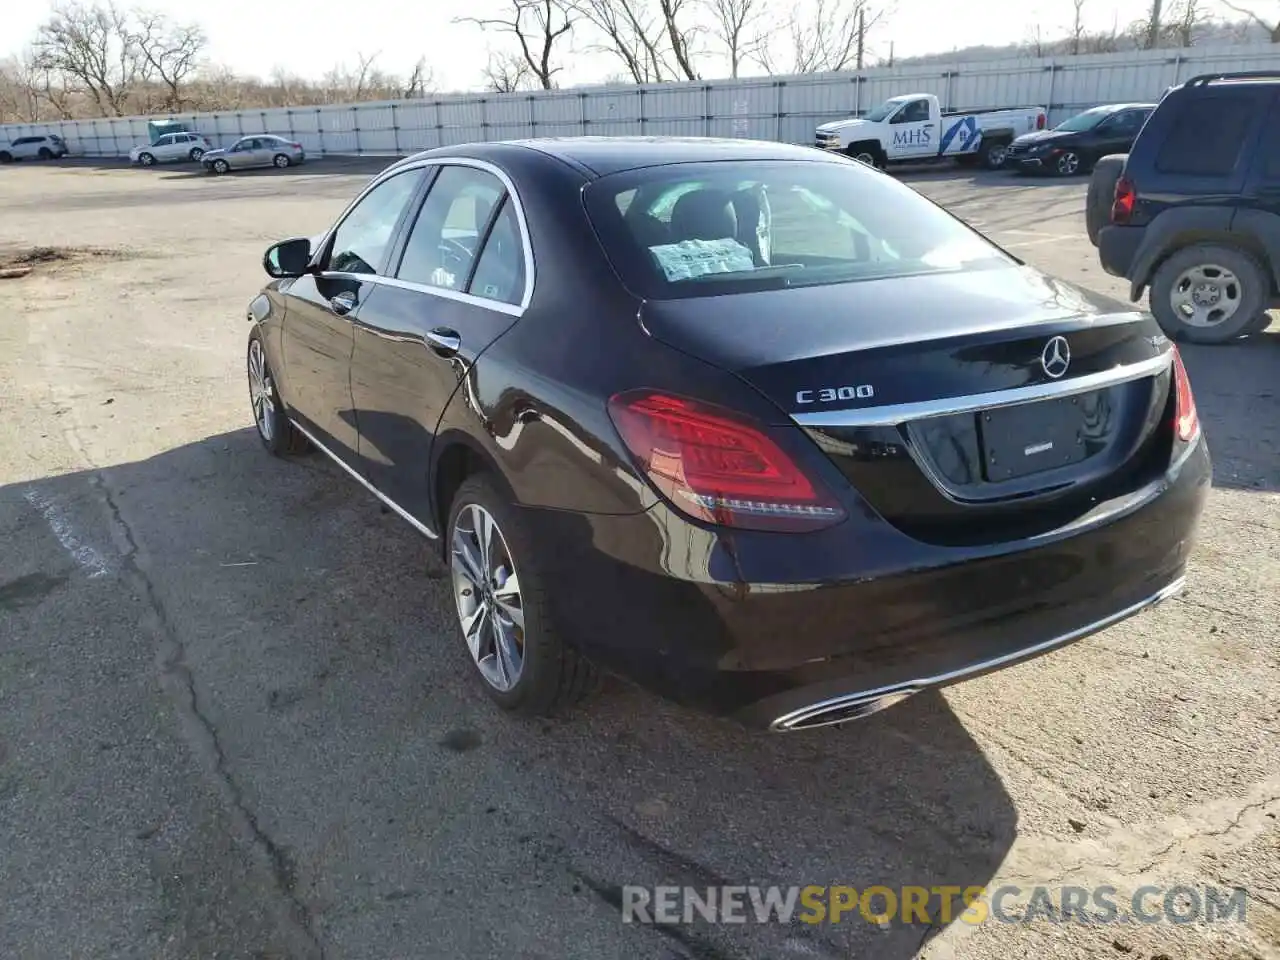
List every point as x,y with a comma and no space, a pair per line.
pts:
1194,213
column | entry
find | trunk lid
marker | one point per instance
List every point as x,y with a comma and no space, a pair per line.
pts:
964,408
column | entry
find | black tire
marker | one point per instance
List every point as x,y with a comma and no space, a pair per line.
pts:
280,437
1102,191
868,152
1260,323
280,161
1251,287
45,153
553,676
146,159
195,154
220,166
1068,164
6,156
993,154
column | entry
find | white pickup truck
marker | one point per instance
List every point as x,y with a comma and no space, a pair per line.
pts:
914,128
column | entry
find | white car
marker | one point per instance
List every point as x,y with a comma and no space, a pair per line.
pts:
43,147
914,128
170,148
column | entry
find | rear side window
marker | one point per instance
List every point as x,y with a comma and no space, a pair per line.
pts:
1207,137
446,236
703,229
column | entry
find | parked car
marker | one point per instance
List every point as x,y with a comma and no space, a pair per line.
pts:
1192,213
259,150
762,429
171,147
913,127
42,147
1074,145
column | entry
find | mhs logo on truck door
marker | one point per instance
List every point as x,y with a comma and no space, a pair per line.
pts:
963,134
912,138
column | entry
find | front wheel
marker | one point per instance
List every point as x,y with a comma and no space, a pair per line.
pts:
220,166
280,161
275,431
1207,293
146,159
504,612
1067,164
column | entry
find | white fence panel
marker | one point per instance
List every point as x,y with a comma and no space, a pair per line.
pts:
785,108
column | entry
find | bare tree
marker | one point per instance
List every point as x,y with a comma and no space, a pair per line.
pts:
536,25
1187,17
632,32
829,35
94,46
171,50
420,78
1271,24
507,73
735,24
679,35
1077,27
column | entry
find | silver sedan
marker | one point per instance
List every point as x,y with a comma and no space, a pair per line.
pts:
259,150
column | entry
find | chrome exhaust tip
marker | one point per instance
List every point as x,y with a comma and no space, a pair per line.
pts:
854,706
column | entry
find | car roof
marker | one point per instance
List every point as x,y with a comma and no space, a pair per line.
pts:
601,156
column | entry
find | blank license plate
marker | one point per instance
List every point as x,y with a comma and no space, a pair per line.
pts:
1031,437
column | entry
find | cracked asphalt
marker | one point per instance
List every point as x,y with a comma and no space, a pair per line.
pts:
235,720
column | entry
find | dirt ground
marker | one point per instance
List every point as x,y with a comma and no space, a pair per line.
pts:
235,720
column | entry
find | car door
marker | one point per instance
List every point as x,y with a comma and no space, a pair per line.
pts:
321,305
1117,133
24,148
913,131
166,147
1260,216
241,154
463,277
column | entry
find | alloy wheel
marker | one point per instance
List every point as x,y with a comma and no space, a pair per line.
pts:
261,391
487,591
281,161
1205,295
1068,164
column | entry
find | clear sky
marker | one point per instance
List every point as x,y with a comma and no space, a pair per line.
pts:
308,37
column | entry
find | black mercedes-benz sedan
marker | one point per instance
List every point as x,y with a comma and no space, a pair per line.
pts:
756,426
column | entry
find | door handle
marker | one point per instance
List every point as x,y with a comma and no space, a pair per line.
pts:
343,303
444,341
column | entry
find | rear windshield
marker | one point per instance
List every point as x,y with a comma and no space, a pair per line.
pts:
688,230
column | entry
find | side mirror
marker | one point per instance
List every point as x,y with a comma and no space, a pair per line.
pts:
288,258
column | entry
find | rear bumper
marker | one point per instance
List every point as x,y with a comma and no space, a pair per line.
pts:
1118,248
762,628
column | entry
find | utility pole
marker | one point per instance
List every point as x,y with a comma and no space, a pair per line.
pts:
862,33
1153,28
890,53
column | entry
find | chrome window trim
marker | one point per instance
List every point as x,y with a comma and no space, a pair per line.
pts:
894,414
526,243
403,513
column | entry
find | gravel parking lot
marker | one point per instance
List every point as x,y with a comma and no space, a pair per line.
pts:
235,720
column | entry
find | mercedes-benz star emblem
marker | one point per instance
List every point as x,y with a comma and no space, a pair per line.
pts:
1056,357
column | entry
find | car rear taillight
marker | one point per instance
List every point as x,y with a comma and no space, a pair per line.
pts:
1126,196
717,466
1186,420
1040,121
